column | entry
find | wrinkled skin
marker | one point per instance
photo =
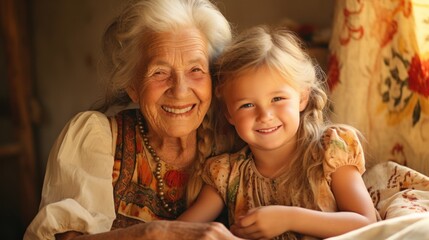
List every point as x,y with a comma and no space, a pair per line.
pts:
160,230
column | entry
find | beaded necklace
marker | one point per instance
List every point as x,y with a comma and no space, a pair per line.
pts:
157,159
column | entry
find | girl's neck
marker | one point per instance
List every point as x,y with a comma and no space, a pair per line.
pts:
273,163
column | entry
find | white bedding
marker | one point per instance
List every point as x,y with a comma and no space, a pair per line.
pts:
411,227
401,196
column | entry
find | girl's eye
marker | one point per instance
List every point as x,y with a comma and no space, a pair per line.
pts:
246,105
276,99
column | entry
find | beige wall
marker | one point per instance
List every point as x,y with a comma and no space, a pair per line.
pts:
245,13
67,45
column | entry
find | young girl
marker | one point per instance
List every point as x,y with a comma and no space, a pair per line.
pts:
298,176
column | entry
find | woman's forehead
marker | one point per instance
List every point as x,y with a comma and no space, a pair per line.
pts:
183,41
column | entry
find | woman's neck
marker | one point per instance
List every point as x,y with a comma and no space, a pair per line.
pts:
175,151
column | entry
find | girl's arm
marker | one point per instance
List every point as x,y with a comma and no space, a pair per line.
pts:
206,208
355,210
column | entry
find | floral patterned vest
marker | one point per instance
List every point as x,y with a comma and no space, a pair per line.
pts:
134,182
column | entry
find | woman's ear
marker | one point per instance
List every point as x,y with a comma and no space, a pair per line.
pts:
305,95
133,93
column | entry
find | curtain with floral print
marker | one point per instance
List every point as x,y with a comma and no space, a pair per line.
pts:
378,76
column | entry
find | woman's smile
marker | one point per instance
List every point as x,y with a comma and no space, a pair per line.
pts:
178,109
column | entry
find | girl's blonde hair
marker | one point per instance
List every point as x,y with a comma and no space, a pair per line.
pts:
281,51
123,49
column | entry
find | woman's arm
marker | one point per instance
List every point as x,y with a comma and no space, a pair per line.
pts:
67,235
206,208
159,230
354,204
77,190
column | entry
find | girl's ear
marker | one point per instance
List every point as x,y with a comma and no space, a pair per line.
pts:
305,95
133,93
228,117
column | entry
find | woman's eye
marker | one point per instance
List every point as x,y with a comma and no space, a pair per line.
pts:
276,99
160,74
246,105
196,73
196,69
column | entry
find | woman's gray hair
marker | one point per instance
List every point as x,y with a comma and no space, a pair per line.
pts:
123,39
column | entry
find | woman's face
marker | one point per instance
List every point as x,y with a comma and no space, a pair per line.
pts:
174,87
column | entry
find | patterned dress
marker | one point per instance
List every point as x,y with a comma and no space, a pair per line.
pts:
242,187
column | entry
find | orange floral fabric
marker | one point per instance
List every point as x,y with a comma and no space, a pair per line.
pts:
379,77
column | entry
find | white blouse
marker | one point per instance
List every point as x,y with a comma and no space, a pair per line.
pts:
77,191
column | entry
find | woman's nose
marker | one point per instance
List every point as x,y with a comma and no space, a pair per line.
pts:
180,86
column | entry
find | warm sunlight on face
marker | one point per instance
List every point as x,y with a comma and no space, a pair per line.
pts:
175,91
264,109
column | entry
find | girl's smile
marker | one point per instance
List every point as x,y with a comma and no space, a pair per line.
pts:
268,130
264,109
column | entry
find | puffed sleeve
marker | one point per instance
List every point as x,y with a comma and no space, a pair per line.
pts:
342,147
77,190
216,173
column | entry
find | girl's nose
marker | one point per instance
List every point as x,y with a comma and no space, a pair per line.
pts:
265,115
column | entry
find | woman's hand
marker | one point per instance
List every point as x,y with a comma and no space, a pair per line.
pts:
262,223
186,230
165,230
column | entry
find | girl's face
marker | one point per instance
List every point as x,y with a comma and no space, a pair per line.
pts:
174,91
264,109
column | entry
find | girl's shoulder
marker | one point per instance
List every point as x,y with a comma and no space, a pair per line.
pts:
219,170
342,147
230,158
343,137
340,131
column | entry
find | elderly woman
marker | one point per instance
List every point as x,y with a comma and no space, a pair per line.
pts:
141,164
